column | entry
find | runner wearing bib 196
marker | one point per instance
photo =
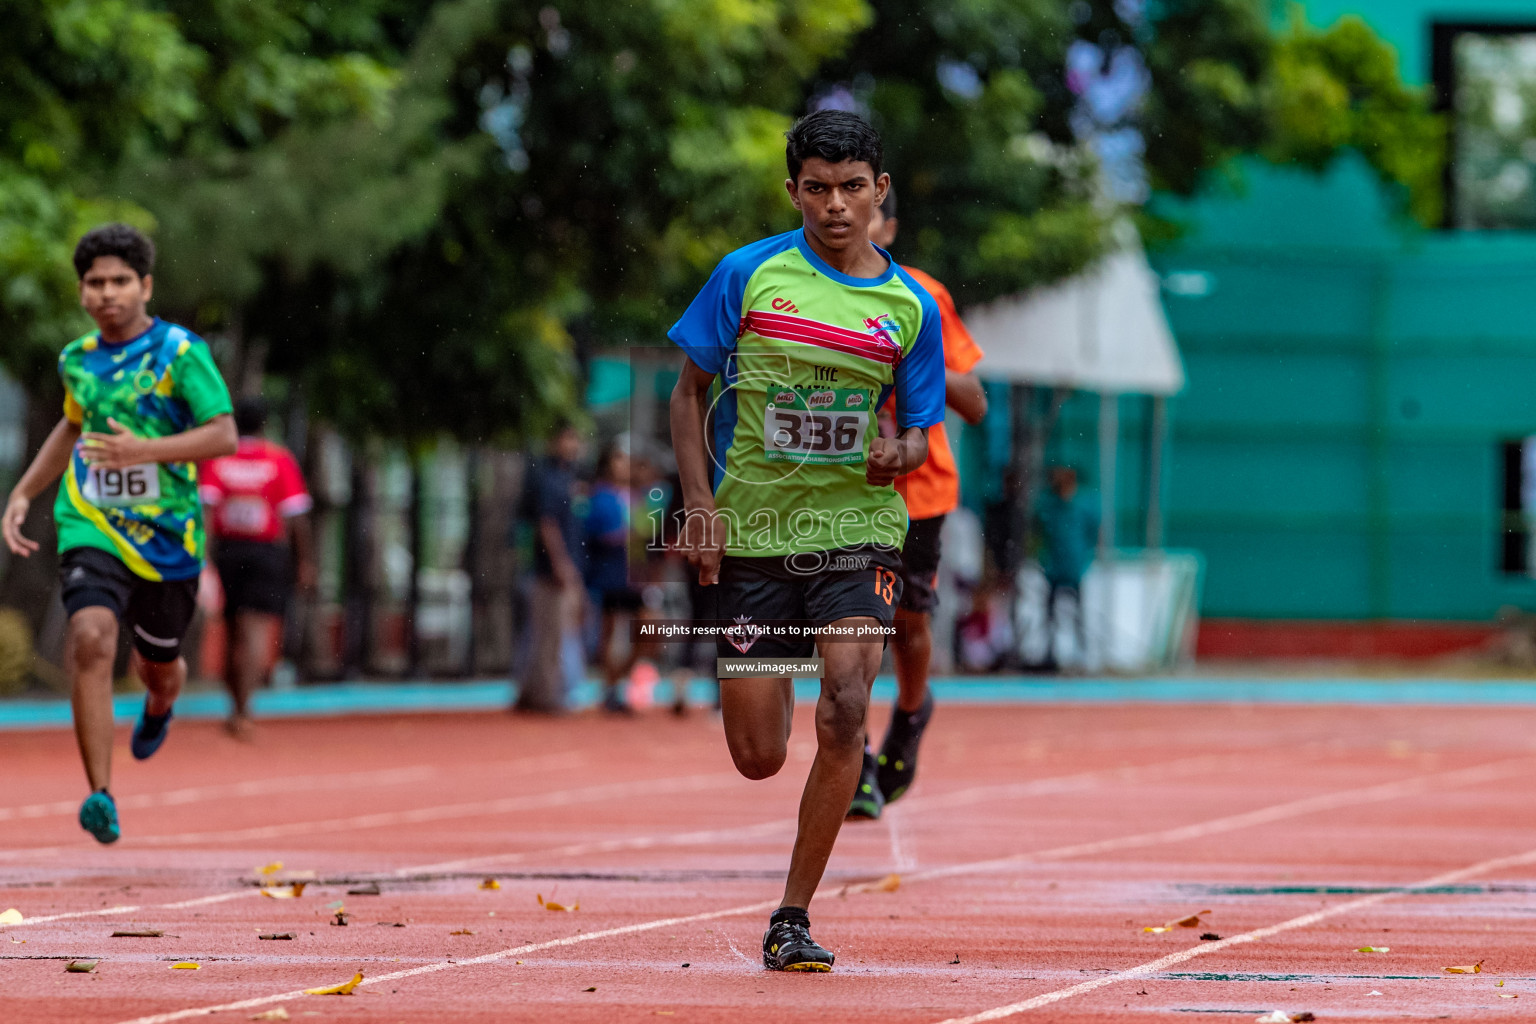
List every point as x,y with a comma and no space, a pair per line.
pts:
796,521
143,403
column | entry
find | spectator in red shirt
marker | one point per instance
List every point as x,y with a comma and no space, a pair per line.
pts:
259,530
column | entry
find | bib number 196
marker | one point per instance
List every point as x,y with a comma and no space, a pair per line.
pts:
132,485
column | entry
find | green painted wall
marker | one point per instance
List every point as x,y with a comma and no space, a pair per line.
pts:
1336,452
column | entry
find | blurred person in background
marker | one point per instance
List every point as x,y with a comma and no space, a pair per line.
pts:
931,491
261,537
555,502
613,593
1068,522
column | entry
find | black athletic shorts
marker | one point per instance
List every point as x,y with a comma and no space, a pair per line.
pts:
157,612
814,587
920,564
257,576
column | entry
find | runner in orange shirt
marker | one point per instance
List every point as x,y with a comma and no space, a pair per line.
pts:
932,491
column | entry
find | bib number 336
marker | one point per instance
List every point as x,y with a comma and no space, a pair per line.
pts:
798,435
132,485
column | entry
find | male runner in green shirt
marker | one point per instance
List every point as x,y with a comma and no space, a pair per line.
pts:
143,404
794,518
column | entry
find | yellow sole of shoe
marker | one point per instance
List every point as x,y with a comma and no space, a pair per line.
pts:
810,967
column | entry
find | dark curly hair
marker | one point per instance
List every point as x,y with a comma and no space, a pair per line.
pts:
126,243
835,136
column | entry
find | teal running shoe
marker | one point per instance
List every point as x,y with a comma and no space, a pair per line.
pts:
149,732
98,816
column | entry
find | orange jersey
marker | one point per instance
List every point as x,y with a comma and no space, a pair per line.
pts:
934,487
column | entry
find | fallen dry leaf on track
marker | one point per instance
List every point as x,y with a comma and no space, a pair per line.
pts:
890,883
344,989
12,916
1192,921
81,966
1509,995
551,905
286,892
187,965
1476,968
1280,1017
462,931
1374,949
146,934
277,1014
270,869
276,935
592,989
371,889
490,883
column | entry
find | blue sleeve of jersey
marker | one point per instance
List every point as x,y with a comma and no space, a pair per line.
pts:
708,329
919,377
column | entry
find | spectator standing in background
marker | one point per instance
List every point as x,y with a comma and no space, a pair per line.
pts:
607,570
1069,533
554,503
260,532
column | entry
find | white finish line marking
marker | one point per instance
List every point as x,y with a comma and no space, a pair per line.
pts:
1258,934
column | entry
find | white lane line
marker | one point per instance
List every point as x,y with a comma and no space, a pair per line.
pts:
1258,934
1342,799
439,812
289,784
255,787
117,911
1262,816
970,795
443,965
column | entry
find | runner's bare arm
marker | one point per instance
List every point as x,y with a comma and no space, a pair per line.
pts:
122,448
702,542
890,457
51,461
964,394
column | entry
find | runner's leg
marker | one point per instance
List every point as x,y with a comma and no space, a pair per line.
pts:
250,653
90,647
757,715
849,670
914,653
163,680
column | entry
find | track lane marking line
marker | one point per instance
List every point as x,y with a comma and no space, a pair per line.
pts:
1383,791
1233,822
267,787
1256,935
443,965
1050,785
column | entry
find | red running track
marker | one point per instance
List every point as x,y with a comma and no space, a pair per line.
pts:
1037,844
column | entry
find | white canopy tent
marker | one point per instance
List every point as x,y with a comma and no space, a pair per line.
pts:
1103,330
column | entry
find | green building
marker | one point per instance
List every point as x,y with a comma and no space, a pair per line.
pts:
1350,444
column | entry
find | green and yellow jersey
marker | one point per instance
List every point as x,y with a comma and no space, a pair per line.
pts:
160,383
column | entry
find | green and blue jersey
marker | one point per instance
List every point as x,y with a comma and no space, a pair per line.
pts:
804,356
160,383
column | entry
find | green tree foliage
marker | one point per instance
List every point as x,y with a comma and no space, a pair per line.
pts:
1340,87
92,89
424,212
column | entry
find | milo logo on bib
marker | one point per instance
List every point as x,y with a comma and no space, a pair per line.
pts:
829,430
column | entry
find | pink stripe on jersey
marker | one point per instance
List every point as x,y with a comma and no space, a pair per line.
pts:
814,332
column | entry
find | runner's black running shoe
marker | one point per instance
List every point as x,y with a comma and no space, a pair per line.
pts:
867,799
788,946
897,763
